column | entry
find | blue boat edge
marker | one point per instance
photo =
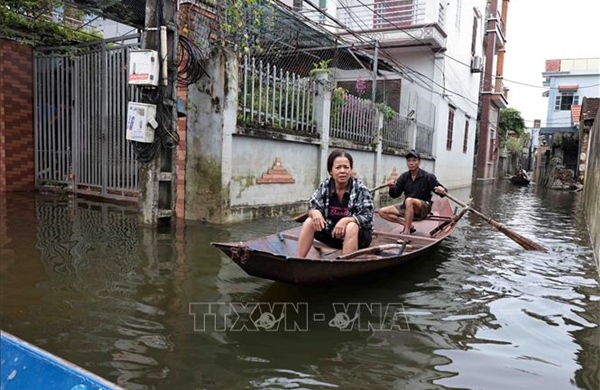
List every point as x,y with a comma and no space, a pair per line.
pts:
25,366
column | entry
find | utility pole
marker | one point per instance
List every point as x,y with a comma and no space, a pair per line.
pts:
157,177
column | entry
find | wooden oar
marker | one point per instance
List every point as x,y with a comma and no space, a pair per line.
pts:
302,217
453,221
519,239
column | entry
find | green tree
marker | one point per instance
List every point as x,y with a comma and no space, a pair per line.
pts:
32,21
243,22
511,121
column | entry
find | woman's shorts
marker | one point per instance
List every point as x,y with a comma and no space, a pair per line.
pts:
364,239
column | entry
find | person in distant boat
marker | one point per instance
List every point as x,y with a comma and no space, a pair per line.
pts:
523,174
417,186
340,210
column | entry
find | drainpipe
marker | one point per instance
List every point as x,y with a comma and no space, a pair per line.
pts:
377,123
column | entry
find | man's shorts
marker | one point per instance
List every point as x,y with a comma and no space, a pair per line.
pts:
364,239
422,214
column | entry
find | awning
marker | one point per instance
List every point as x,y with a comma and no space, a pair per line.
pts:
568,88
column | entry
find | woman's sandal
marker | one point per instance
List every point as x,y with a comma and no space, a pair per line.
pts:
412,230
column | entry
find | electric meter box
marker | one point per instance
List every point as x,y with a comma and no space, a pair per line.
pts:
143,67
141,122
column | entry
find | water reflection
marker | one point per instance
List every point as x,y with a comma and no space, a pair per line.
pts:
82,280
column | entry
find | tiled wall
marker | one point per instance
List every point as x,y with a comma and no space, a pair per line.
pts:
16,117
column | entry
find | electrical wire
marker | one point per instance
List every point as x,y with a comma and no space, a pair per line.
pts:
392,58
190,69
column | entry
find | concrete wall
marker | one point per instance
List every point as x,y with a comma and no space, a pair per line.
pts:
211,115
16,117
591,188
254,157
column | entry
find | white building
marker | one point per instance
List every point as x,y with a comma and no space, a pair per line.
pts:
568,82
437,47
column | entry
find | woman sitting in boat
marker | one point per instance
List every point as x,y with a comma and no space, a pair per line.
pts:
417,186
340,210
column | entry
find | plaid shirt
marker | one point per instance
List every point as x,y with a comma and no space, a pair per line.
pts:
360,203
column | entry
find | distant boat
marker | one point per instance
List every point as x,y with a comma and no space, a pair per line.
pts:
273,257
25,366
519,180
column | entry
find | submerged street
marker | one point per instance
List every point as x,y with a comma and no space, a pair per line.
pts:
165,310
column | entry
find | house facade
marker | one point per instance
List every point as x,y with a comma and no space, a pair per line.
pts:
569,81
437,50
494,94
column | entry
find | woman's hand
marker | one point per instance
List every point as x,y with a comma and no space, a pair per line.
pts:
339,231
318,220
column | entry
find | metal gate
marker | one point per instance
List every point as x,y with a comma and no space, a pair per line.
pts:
80,113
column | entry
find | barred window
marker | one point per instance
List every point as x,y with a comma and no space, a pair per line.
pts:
466,138
565,100
450,127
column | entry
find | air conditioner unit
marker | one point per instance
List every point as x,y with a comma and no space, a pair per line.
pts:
476,64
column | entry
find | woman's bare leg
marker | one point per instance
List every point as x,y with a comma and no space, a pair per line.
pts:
306,238
350,238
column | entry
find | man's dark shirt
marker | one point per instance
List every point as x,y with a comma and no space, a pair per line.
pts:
421,188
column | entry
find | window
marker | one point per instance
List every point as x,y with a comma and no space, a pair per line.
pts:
458,13
298,5
493,126
493,144
565,100
466,139
393,13
450,127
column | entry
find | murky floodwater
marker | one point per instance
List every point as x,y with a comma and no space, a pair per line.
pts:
83,281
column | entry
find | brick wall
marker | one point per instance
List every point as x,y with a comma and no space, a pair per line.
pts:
16,117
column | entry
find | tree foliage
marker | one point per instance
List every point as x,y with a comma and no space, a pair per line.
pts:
511,121
243,21
34,22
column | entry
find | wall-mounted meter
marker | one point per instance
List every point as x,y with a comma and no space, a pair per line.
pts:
143,67
141,122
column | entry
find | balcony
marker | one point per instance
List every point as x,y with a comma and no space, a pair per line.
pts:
499,29
395,23
500,93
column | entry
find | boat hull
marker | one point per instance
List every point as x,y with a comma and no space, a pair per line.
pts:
25,366
519,181
272,257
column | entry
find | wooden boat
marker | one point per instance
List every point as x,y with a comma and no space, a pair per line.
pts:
25,366
519,180
272,257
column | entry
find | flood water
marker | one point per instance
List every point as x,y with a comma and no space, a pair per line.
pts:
145,308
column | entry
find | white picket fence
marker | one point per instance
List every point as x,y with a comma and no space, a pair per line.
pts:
352,118
395,132
276,98
280,100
